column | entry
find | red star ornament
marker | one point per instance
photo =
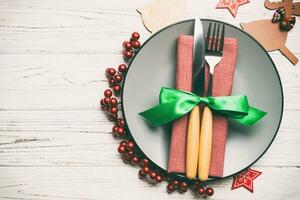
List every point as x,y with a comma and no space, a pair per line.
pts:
245,179
231,5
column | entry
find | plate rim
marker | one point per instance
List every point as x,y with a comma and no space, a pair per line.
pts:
181,176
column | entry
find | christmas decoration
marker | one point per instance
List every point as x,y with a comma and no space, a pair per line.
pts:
272,33
231,5
160,13
245,179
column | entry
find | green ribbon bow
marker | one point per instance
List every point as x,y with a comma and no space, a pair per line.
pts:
174,104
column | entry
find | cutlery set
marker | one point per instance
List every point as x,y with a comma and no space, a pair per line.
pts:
208,50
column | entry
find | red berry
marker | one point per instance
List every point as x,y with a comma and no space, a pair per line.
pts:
201,190
127,46
183,186
124,43
113,102
141,174
113,110
152,175
146,170
130,153
116,88
102,102
121,149
135,36
118,78
110,72
106,100
126,158
121,131
209,191
122,68
170,188
175,183
123,143
127,54
159,178
130,145
115,129
134,160
113,117
144,162
136,44
111,82
108,93
121,122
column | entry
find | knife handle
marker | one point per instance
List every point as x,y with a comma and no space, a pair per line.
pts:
205,144
193,135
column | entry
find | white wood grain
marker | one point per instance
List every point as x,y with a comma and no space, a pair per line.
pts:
55,143
121,182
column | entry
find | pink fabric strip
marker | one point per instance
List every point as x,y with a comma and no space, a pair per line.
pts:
222,86
183,82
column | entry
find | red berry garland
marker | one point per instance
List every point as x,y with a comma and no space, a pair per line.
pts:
127,149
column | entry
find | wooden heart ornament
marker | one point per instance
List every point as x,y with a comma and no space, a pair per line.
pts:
160,13
269,34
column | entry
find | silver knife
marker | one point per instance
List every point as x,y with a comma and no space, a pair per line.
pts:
193,132
198,50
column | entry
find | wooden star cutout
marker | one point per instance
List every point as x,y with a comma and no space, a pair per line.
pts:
231,5
245,179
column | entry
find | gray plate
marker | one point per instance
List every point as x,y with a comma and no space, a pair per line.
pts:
255,76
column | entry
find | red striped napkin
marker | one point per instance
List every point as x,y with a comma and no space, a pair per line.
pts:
184,72
222,85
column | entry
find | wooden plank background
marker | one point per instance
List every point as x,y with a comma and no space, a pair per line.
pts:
54,141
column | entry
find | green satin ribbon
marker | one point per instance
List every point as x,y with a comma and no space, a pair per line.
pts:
174,104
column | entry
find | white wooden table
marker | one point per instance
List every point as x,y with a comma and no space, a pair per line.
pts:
54,141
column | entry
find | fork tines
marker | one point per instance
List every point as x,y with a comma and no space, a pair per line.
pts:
214,43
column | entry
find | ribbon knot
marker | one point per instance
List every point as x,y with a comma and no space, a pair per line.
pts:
174,104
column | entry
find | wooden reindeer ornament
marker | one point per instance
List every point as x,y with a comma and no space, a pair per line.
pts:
272,34
160,13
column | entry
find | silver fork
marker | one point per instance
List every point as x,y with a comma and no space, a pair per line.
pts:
214,44
213,54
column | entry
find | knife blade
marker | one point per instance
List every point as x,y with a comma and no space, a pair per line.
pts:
199,49
193,132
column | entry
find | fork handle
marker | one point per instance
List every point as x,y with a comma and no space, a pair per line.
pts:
193,135
205,144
